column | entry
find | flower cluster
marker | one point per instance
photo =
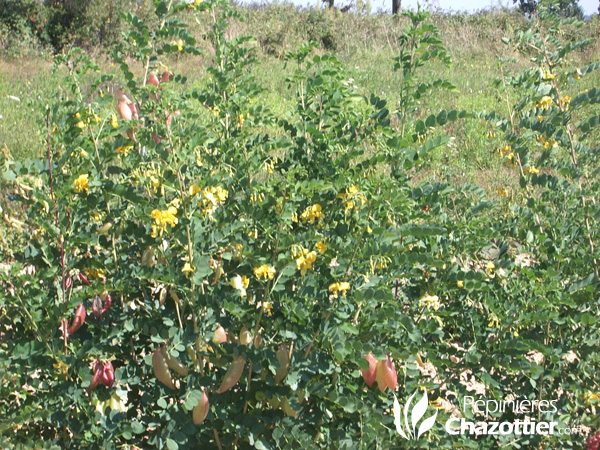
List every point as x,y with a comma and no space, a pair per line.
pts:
547,143
240,283
93,273
430,302
124,149
351,197
305,260
312,213
565,102
530,169
545,102
338,287
321,247
81,183
265,272
213,196
162,219
506,152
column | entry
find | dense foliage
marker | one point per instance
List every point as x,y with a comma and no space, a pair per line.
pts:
199,273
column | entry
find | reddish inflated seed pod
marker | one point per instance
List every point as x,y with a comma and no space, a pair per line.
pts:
200,411
97,378
97,306
165,76
68,282
83,278
134,111
78,320
389,375
124,111
369,374
107,301
108,374
233,375
386,374
153,79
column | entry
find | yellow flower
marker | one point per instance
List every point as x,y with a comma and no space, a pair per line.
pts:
577,75
504,151
565,102
268,307
265,272
187,268
530,170
502,192
240,283
124,149
312,213
240,120
179,44
549,75
94,274
162,219
155,183
305,262
81,183
197,2
591,398
114,121
545,102
494,322
80,124
270,166
460,284
430,302
321,247
84,154
510,159
194,190
490,267
338,287
98,216
213,196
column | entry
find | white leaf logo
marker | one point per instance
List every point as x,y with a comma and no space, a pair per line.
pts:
409,431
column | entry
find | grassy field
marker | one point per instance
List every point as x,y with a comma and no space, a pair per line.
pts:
29,82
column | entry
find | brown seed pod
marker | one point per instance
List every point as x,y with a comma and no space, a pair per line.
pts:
220,335
233,374
245,336
161,368
200,411
176,365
